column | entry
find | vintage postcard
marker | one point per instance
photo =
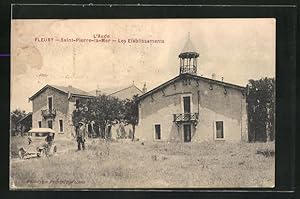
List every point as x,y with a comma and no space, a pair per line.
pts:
142,103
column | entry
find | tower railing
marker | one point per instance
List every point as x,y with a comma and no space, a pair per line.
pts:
188,69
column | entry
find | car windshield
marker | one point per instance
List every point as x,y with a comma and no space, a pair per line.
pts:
40,134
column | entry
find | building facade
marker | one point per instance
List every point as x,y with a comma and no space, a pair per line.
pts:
191,108
52,107
122,93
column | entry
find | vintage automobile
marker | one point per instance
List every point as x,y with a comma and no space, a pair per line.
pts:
40,143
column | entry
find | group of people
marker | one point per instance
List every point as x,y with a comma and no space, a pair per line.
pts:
80,136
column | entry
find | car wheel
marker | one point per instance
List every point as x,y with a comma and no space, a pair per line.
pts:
42,154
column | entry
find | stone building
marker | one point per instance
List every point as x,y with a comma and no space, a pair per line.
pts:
52,107
120,92
193,108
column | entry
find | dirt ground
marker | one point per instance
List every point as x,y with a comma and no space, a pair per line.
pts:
126,164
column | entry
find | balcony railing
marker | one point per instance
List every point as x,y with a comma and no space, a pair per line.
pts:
185,117
49,113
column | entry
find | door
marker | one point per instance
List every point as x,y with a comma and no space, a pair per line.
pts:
109,132
187,132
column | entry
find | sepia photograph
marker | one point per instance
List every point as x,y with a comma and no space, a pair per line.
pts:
142,103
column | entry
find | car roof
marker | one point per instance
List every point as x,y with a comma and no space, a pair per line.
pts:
41,130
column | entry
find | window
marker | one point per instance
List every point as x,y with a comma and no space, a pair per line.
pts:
61,126
219,130
40,124
186,103
50,124
157,131
50,103
77,102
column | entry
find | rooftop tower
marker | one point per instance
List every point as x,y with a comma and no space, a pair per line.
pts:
188,58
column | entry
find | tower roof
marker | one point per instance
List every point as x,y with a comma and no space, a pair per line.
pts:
188,50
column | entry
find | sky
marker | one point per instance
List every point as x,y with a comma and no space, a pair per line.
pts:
236,49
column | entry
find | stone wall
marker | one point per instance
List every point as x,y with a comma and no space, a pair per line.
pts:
60,104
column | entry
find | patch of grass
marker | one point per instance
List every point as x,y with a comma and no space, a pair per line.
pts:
152,165
266,152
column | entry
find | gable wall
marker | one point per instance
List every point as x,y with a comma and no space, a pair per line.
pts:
60,103
127,93
213,105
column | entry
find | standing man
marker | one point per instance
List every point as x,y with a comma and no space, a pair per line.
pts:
80,136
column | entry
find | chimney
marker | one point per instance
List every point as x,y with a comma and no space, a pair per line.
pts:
69,91
69,88
222,78
213,76
98,92
144,88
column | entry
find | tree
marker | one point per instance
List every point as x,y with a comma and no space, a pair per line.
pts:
15,116
103,110
131,113
106,111
261,109
79,115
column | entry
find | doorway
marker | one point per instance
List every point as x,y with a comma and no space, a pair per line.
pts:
109,132
187,135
